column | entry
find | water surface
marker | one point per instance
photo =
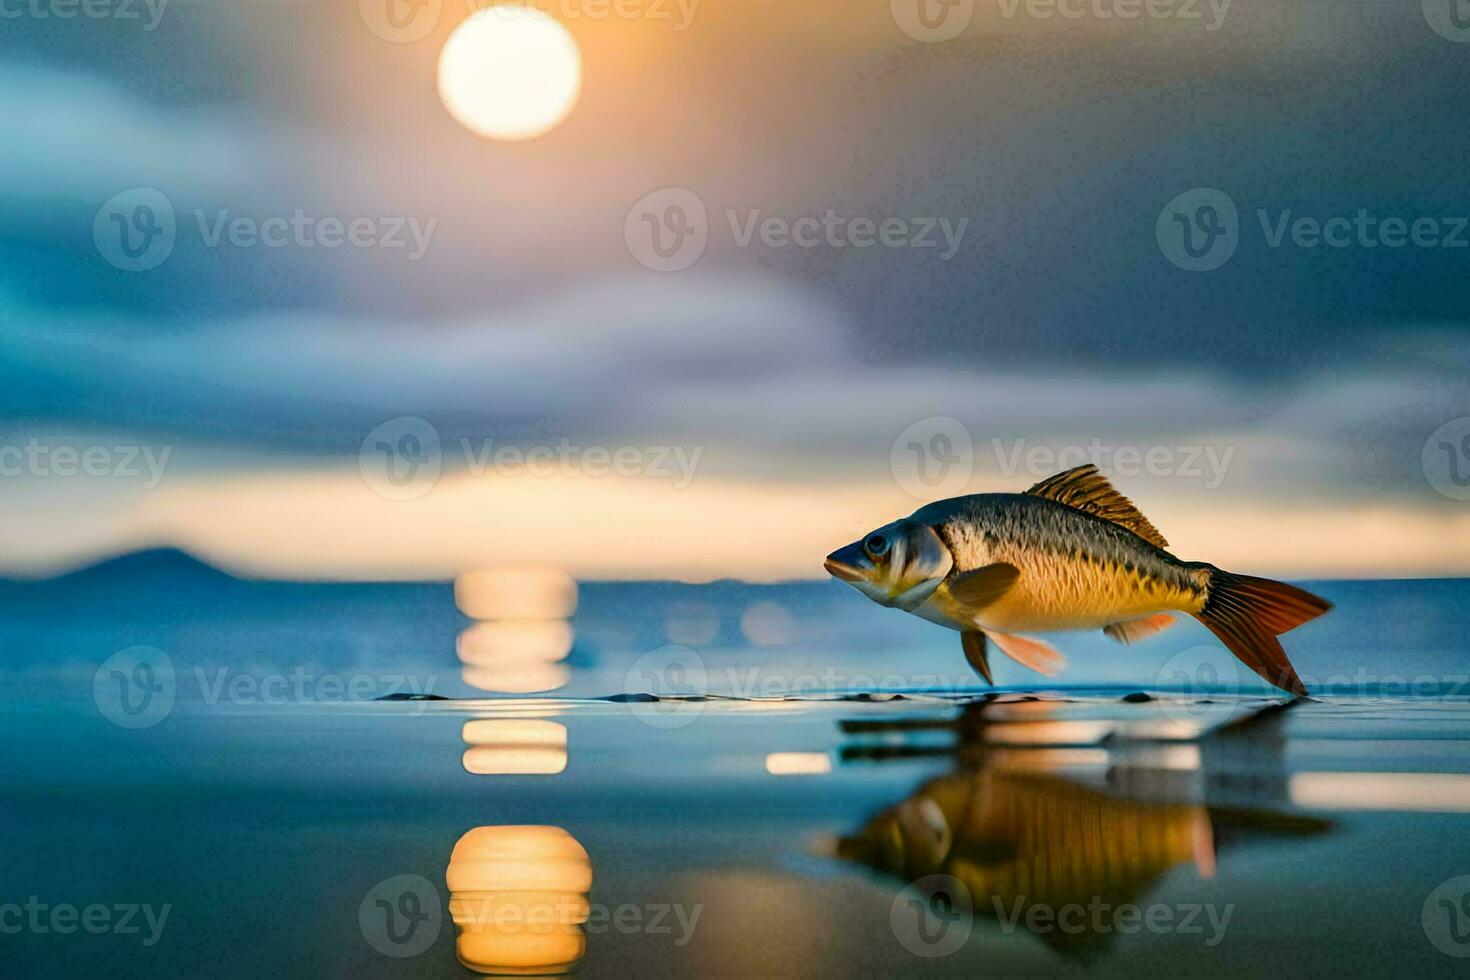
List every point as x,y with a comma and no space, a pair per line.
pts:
292,825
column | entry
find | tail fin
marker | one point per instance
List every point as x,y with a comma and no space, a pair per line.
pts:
1248,613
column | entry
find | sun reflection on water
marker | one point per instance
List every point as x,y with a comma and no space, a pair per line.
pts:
513,746
518,896
524,633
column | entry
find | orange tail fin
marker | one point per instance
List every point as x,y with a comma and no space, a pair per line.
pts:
1248,613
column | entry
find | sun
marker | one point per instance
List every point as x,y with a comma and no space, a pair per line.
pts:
510,72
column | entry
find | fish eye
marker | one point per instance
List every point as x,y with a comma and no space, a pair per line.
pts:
876,546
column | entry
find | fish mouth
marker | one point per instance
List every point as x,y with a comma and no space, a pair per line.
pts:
842,570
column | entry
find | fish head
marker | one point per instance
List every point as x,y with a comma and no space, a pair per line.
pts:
899,564
912,839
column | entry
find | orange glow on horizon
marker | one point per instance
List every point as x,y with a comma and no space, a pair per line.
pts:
329,525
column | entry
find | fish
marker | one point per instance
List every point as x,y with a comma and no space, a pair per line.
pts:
1071,553
1020,828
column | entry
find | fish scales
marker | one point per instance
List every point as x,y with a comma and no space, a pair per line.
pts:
1069,553
1077,570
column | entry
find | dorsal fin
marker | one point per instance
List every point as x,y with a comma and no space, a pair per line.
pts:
1087,490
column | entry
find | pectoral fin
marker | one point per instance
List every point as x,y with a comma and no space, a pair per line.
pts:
976,653
1036,654
983,586
1137,629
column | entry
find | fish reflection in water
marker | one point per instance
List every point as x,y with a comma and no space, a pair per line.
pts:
1076,814
518,896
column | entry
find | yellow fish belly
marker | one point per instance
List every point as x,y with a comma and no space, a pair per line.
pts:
1072,593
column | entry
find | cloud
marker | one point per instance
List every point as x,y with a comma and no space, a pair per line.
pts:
588,357
738,360
1059,323
761,374
72,137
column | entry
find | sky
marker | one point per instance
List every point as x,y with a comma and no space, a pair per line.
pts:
784,272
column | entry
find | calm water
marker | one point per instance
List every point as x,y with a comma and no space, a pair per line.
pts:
197,782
